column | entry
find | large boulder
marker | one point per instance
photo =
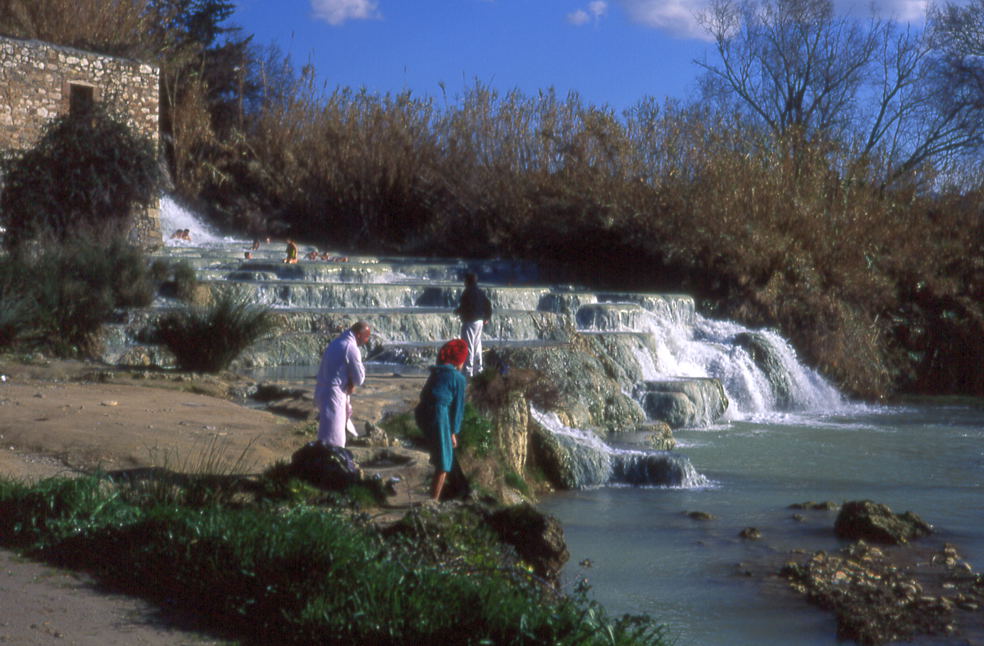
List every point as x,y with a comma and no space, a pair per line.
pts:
765,356
537,537
875,523
568,462
326,467
585,377
684,402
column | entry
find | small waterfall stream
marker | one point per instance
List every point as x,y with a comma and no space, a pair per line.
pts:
598,463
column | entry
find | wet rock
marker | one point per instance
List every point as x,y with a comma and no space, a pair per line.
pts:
567,463
887,595
700,515
680,403
815,506
764,354
537,537
750,533
874,522
582,373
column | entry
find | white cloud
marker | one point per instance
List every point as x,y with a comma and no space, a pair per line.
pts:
598,8
594,11
579,17
677,17
336,12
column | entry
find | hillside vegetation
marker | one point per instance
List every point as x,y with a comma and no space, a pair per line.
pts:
841,201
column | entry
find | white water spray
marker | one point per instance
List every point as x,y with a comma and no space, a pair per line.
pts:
601,464
175,217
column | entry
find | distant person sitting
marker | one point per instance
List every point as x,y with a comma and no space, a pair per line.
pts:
291,258
475,310
312,255
186,235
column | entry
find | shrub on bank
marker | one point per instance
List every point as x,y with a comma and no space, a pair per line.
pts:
209,338
298,575
58,297
87,172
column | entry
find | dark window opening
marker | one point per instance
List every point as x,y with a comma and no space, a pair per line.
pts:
81,99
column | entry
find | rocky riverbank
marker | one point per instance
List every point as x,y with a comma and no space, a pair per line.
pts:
905,587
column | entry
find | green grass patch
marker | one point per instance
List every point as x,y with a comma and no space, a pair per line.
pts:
303,574
476,432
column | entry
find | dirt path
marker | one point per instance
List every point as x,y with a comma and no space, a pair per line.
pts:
53,424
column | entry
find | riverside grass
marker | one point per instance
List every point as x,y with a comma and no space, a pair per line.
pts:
299,574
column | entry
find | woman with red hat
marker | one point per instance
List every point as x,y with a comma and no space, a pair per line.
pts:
441,409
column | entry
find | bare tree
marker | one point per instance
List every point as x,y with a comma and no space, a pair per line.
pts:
871,85
956,33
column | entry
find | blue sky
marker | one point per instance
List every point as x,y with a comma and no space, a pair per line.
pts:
611,52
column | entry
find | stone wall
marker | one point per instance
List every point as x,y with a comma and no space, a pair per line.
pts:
39,81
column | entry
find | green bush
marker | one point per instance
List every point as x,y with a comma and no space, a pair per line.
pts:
59,297
476,432
86,173
16,316
209,338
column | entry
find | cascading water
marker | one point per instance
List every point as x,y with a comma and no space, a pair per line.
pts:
595,463
720,350
175,217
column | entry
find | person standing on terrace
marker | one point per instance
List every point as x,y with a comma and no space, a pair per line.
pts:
475,310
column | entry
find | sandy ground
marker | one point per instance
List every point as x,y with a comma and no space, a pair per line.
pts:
64,418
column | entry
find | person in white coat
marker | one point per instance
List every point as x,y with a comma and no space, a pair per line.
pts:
341,372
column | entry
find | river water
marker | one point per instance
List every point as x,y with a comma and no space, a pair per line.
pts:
711,587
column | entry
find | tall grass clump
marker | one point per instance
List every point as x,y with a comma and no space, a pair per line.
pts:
301,575
209,338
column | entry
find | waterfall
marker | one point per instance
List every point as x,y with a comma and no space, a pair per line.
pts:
758,369
591,462
175,217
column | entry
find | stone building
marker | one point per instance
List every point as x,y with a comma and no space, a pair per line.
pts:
40,81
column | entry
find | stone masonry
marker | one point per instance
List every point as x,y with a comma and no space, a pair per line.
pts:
40,81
